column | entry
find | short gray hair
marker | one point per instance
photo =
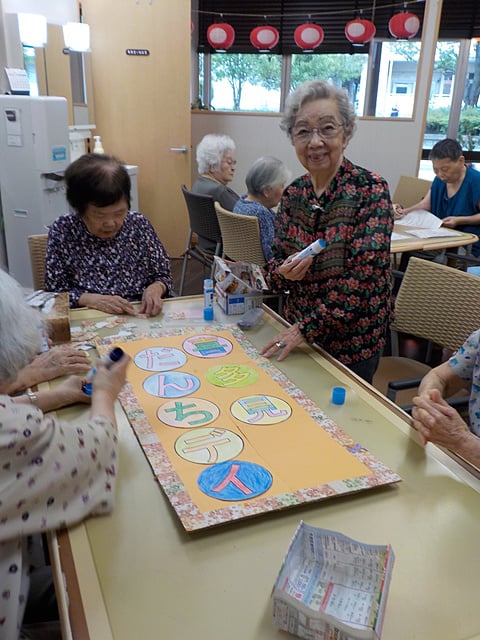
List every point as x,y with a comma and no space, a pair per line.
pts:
20,338
211,149
266,171
446,149
317,90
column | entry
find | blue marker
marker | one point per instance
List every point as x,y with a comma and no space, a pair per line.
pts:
310,251
112,356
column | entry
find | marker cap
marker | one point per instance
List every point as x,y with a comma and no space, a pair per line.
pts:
338,395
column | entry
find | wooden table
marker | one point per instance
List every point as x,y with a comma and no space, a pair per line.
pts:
413,243
137,574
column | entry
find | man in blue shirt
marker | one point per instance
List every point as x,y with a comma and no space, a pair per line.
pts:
455,192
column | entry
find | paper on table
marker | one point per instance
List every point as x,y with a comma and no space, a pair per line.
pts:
420,218
398,236
433,233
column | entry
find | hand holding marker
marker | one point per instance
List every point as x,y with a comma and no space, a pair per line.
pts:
112,356
310,251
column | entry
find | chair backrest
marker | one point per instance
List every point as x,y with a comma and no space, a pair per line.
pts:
37,245
438,303
241,236
202,215
410,190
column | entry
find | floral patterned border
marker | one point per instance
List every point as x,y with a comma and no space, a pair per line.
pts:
191,517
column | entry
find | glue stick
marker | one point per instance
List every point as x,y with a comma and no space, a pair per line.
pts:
208,299
310,251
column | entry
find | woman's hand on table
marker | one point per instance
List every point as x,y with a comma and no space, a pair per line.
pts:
437,421
61,360
107,304
452,221
398,211
64,394
152,299
283,343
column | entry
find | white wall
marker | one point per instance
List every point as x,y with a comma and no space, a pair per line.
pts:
391,147
56,11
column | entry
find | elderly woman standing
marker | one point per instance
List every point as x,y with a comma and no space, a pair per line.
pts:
52,473
340,299
265,180
103,254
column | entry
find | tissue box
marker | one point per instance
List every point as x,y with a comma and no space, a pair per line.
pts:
239,286
58,319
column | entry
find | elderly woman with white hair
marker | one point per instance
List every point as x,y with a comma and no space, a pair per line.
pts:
265,180
341,298
53,473
216,166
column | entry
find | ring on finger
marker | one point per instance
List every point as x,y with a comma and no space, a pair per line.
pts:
280,344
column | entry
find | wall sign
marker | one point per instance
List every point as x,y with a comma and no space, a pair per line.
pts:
137,52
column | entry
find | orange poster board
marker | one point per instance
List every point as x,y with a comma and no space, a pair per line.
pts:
228,436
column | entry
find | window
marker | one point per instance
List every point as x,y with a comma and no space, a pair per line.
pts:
244,82
454,109
344,70
29,62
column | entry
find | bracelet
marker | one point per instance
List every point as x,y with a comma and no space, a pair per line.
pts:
32,396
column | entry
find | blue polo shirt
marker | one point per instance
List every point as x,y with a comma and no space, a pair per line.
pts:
463,203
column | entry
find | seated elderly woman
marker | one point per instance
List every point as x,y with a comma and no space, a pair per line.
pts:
435,419
53,473
103,254
216,166
266,180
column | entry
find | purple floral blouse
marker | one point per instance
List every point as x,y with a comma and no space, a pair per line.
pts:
125,265
344,303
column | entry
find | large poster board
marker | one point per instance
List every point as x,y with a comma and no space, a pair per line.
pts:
228,435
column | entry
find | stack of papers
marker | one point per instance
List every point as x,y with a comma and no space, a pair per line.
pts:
426,223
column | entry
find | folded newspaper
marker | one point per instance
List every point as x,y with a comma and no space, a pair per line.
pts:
331,586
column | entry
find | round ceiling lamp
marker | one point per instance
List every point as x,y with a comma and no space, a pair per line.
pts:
404,25
308,36
360,31
220,36
264,38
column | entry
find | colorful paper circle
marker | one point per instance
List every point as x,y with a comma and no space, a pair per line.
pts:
231,376
235,480
185,414
260,410
208,445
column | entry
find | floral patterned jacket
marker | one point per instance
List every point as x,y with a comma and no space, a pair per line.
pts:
344,303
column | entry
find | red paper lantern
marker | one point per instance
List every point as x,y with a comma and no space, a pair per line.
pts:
221,35
404,25
308,36
265,37
359,31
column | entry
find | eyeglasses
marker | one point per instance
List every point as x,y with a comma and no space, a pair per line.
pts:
326,132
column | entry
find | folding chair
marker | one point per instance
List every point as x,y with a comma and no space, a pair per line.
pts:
204,223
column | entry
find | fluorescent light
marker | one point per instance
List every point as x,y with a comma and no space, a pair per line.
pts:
33,29
77,36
